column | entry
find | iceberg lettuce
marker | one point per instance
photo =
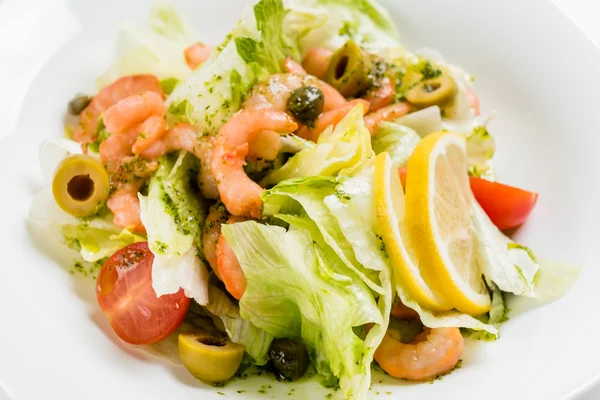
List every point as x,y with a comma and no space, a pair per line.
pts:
292,292
173,215
397,140
340,150
155,49
252,51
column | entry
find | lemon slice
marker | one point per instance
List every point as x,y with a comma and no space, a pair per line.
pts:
438,218
390,209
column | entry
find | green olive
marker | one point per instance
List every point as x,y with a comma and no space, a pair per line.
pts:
438,91
349,70
289,358
80,185
79,103
210,358
306,104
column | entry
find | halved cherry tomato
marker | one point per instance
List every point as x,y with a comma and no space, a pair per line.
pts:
125,294
507,206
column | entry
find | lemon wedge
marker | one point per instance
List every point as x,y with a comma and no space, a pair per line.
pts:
390,210
438,219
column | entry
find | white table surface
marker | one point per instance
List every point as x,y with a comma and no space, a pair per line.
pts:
585,13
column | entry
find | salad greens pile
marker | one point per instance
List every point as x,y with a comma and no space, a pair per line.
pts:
317,269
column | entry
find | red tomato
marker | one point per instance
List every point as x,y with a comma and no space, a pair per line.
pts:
125,294
507,206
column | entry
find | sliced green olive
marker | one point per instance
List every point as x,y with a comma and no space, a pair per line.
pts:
349,70
289,358
438,91
210,358
306,104
79,103
80,185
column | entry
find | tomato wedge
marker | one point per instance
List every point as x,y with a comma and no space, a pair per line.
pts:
125,294
507,206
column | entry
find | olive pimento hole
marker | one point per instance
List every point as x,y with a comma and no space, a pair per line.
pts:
209,341
80,187
340,68
432,87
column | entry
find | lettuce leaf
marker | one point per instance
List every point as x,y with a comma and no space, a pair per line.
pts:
154,49
97,239
480,151
512,267
173,214
340,150
397,140
252,51
292,292
255,340
330,23
424,122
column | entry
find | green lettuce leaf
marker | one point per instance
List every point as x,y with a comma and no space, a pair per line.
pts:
255,340
341,150
512,267
293,293
157,48
306,195
173,214
330,23
97,239
480,151
250,53
397,140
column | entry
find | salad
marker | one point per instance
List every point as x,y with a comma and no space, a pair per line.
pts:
306,194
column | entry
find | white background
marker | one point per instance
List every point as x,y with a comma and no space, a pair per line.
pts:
18,69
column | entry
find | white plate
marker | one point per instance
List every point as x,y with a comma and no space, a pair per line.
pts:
532,66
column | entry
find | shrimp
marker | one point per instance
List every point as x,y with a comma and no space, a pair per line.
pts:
275,92
125,205
431,353
382,95
331,117
230,271
388,113
127,180
316,61
473,101
399,310
239,193
118,90
264,146
151,130
197,54
117,147
293,67
184,136
211,231
133,110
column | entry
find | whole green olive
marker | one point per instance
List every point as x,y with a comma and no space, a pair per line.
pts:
306,104
438,91
349,70
80,185
289,358
79,103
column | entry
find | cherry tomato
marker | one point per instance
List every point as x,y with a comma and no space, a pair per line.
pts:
125,294
507,206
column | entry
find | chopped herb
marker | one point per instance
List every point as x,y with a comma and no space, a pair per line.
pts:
168,85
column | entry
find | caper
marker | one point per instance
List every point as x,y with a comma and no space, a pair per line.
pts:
306,104
349,70
79,103
209,358
438,91
80,185
289,358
